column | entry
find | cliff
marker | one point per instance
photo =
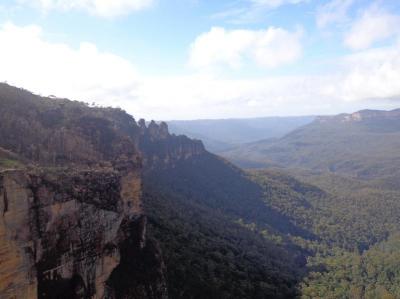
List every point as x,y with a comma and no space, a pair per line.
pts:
72,223
69,234
160,149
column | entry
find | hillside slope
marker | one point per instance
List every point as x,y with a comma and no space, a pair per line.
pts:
363,144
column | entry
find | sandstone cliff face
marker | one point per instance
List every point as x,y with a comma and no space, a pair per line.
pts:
71,217
160,149
66,235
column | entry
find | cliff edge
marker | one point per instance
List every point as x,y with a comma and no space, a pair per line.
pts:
72,223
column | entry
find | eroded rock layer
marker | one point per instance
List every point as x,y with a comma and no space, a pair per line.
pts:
71,218
65,234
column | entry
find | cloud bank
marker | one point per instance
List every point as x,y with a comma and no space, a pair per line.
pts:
84,73
89,74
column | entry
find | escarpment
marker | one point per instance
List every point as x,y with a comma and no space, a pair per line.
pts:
71,218
164,150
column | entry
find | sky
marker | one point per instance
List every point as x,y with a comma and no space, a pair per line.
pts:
197,59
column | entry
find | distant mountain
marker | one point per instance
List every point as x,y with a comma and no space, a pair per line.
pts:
364,144
222,134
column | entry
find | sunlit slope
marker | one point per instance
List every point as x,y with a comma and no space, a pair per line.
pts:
364,144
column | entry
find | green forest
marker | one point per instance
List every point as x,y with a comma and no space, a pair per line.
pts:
355,253
288,234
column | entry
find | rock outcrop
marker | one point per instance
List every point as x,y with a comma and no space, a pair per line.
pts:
64,235
71,217
161,149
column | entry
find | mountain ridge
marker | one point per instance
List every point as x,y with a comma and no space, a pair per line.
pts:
363,144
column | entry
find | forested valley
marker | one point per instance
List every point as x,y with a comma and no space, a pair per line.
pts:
318,221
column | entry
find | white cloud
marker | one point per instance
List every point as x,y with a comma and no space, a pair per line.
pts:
372,74
372,26
365,79
85,73
233,48
335,11
102,8
195,97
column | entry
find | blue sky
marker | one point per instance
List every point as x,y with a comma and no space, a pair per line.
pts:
186,59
